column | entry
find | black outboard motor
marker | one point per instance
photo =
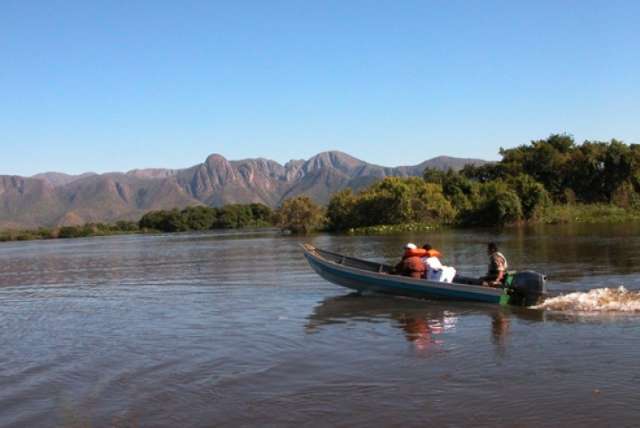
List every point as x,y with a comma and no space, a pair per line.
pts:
528,287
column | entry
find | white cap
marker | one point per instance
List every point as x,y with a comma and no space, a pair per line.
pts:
410,246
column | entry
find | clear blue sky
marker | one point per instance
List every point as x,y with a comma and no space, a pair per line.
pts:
114,85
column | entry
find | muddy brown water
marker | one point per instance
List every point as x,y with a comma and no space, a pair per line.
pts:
234,329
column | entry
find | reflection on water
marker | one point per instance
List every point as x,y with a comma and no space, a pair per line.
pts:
422,324
500,324
236,330
425,324
423,332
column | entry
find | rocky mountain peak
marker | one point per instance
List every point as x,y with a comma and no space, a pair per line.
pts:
52,198
334,160
216,159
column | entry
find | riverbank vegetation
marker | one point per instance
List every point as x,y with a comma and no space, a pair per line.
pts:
198,218
83,231
548,181
300,215
195,218
553,180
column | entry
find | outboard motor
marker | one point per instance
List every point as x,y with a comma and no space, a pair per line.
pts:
527,287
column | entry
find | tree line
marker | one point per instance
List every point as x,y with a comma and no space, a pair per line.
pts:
194,218
64,232
232,216
529,184
592,172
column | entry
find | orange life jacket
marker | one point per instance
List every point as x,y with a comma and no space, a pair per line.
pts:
412,266
421,252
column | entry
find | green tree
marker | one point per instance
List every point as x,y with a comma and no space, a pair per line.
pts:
618,164
484,173
460,190
392,200
434,175
300,215
261,214
497,205
547,161
533,196
126,226
341,211
584,176
152,220
199,217
166,221
234,216
428,203
386,202
625,196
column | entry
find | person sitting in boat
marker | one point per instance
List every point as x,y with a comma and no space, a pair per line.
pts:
497,267
411,263
435,270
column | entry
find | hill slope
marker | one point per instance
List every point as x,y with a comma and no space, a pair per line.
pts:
51,199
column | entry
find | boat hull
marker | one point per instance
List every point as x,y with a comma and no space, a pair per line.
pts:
380,282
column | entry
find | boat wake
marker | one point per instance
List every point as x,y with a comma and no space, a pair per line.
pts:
597,300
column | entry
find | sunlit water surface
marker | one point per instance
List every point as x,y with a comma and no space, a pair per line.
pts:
229,329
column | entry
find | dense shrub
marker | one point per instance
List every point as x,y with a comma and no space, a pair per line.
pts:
300,215
533,196
341,211
390,201
593,171
498,204
231,216
460,190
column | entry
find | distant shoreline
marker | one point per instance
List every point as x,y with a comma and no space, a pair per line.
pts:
32,235
557,214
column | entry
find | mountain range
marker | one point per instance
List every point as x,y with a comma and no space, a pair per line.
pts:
57,199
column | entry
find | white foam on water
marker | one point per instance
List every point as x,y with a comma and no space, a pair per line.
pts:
597,300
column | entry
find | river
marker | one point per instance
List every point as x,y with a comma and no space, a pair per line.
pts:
234,329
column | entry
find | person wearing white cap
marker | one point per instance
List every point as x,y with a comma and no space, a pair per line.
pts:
411,263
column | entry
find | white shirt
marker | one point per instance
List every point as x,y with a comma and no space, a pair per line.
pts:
432,263
436,271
